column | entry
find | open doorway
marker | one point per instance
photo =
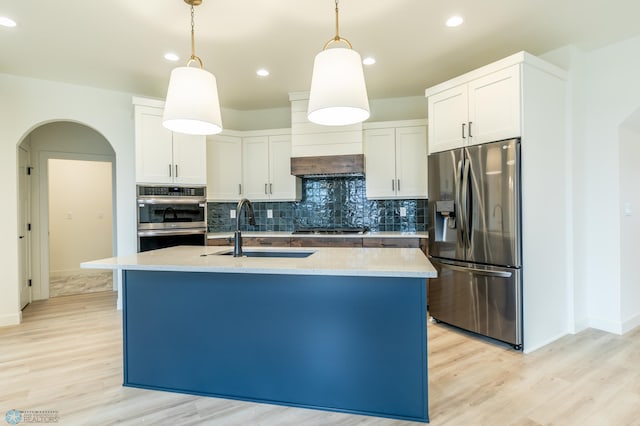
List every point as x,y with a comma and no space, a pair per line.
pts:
80,225
79,148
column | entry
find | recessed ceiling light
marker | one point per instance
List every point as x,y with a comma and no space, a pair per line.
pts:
171,57
262,72
454,21
7,22
369,61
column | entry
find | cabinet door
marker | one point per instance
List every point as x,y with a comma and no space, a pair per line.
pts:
190,159
447,114
411,162
494,106
379,155
154,156
224,168
255,167
282,185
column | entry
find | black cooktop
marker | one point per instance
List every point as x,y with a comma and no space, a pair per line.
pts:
336,231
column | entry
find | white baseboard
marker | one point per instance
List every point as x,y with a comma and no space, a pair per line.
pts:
10,319
631,323
579,326
528,348
613,327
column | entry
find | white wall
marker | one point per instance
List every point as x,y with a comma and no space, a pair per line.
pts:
605,92
80,228
390,109
27,104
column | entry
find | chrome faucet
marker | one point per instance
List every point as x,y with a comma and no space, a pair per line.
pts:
237,247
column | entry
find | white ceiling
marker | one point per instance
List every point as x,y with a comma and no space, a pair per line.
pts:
119,44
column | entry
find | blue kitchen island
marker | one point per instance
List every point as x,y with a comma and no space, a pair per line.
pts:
343,329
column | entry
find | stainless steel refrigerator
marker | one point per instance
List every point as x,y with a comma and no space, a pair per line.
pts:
475,239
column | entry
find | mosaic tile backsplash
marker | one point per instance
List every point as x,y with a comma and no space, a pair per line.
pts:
326,203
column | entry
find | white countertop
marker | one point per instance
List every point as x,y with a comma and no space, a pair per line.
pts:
285,234
342,261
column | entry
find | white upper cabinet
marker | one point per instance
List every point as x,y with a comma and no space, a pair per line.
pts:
282,185
487,108
255,167
495,106
448,112
224,168
396,161
266,166
165,157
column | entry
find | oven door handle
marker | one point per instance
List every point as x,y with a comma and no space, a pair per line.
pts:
169,232
176,200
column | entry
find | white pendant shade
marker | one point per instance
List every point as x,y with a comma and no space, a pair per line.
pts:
338,93
192,104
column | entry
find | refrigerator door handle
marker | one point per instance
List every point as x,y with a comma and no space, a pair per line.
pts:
465,203
499,274
460,212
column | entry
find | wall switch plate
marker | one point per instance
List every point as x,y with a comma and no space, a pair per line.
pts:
232,214
269,214
403,212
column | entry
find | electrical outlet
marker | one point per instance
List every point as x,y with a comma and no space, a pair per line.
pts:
269,214
403,212
232,214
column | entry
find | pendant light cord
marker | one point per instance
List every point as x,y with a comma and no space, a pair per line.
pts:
193,58
337,38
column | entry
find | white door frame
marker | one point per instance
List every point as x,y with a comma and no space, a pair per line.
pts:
24,217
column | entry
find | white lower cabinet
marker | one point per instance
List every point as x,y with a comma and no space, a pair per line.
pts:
396,162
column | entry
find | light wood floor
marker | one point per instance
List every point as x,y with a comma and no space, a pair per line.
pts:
67,356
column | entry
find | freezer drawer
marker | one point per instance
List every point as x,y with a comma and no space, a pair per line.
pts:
482,299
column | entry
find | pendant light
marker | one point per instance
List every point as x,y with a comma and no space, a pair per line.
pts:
192,104
338,93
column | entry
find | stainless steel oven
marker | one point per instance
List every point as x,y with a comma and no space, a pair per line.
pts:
170,216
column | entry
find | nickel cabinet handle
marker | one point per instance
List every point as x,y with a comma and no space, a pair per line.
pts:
170,171
398,185
265,189
239,189
463,135
270,188
470,123
393,184
176,170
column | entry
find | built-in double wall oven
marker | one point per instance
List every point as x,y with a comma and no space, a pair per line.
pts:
171,216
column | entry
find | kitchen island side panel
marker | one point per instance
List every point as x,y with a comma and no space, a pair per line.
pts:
351,344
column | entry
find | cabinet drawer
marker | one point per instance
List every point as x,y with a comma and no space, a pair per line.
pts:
265,241
326,242
225,241
391,242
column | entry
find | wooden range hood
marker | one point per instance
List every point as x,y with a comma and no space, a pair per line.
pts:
328,165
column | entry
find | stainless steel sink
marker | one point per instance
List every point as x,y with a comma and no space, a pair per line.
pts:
268,253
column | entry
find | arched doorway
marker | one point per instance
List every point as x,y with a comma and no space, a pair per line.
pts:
78,157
